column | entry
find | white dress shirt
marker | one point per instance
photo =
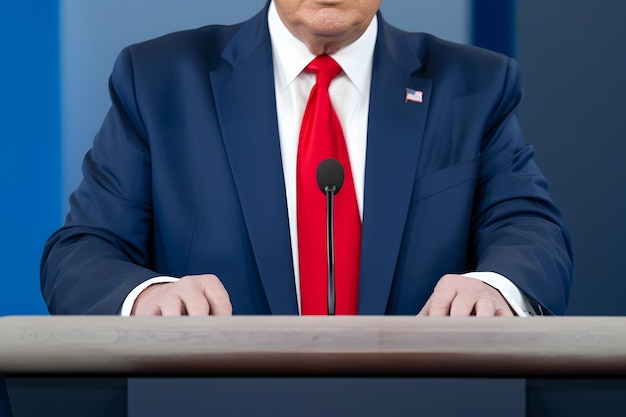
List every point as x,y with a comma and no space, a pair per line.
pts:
350,94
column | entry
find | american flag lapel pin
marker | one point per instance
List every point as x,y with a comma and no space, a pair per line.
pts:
415,96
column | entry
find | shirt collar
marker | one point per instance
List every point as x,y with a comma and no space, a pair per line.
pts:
291,56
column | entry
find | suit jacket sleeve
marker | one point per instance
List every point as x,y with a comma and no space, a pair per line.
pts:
516,229
175,181
102,251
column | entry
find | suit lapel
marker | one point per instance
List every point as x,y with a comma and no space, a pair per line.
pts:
245,101
394,140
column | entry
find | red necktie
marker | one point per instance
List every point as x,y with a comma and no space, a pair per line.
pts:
321,137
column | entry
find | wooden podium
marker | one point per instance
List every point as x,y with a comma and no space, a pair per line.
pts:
305,366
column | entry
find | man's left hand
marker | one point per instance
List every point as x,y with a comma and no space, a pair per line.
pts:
459,296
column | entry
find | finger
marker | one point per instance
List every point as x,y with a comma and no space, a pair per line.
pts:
146,304
504,311
218,299
196,305
220,306
146,310
440,303
443,295
462,306
172,306
485,307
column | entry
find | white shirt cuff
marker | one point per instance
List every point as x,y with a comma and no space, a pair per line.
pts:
516,299
129,301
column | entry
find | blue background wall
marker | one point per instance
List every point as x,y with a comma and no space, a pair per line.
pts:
574,67
30,156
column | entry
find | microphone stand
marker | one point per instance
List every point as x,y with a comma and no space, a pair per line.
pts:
330,247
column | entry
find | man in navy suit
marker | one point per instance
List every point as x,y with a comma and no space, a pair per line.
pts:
188,200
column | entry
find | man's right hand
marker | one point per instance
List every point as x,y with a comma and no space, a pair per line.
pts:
192,295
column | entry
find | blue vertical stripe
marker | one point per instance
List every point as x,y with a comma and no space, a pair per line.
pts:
30,147
494,25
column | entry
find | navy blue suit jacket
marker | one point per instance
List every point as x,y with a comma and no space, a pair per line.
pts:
185,177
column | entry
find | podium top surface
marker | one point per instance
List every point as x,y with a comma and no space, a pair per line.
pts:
308,346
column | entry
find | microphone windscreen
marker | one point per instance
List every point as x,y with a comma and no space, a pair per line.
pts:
330,174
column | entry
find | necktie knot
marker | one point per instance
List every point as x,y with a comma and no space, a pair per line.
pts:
326,69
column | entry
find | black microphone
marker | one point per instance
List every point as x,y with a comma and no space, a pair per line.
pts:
330,181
